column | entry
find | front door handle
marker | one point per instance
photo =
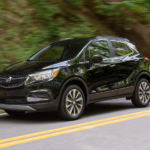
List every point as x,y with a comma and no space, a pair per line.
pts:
112,65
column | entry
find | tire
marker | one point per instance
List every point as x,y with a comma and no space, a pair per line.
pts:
72,103
15,113
141,96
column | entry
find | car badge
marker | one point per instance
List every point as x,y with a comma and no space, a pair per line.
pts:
9,80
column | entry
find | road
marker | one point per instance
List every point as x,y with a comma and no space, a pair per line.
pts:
121,133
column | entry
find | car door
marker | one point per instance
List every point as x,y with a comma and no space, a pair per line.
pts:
124,65
99,75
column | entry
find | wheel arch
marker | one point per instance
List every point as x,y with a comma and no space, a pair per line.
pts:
135,98
143,74
77,81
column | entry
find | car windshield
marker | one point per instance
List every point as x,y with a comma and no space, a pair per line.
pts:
63,50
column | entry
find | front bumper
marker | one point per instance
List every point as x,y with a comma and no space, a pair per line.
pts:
27,99
40,107
16,107
37,96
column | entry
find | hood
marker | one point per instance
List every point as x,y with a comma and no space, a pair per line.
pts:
31,67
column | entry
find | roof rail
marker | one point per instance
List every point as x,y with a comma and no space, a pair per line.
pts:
120,39
66,39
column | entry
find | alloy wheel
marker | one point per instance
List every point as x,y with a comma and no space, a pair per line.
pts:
74,102
144,92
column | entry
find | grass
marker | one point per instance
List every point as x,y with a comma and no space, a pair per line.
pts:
1,111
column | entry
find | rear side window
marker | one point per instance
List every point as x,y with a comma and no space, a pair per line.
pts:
129,50
120,49
133,47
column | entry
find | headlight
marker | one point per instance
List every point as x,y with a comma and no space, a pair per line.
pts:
45,75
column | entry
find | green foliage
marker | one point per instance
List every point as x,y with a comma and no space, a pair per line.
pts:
10,33
147,2
138,8
1,111
48,21
1,11
37,30
106,9
45,10
74,2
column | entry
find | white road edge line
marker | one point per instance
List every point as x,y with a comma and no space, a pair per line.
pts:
3,114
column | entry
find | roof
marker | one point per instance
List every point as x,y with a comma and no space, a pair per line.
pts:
112,38
97,37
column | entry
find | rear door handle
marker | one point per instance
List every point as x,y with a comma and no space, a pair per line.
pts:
112,65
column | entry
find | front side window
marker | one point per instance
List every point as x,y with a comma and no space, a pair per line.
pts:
120,49
98,48
59,51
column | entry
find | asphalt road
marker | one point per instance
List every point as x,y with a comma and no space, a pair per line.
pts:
112,134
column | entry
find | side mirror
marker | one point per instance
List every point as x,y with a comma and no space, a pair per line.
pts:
96,59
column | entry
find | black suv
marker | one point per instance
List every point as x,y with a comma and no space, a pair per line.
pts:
67,75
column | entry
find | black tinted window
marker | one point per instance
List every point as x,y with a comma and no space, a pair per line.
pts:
53,53
59,51
120,49
101,48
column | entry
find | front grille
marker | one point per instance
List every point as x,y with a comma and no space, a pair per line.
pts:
15,80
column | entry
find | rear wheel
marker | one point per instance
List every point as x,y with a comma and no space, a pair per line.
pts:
72,103
141,97
15,113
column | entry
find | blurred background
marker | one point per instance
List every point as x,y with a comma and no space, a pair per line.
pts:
28,25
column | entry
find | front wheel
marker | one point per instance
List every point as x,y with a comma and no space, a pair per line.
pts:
15,113
72,103
141,96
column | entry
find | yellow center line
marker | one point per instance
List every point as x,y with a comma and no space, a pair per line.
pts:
70,129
